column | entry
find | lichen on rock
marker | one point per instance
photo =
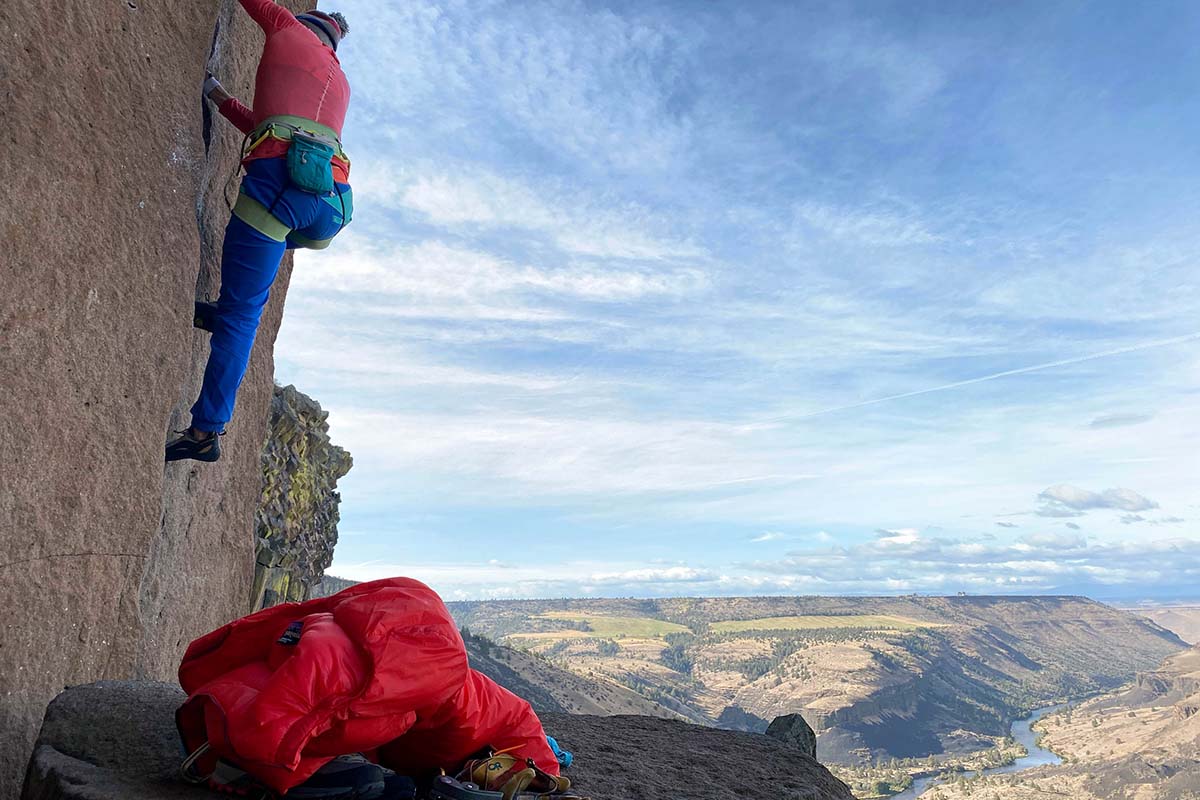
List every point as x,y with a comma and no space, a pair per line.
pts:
295,527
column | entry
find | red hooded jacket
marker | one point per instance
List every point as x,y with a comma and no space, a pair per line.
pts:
380,666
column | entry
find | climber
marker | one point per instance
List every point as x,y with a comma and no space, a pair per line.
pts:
295,193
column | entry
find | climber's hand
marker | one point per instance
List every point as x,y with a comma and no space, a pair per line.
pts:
214,91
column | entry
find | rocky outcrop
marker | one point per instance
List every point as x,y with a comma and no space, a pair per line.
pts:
793,730
117,187
1186,709
1176,682
295,529
116,741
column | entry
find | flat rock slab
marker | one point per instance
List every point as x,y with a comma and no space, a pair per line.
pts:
112,740
646,758
116,740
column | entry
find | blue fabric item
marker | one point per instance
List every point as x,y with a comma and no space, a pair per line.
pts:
249,264
309,215
564,757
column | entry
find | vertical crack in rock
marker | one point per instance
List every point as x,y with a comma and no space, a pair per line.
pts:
205,111
210,169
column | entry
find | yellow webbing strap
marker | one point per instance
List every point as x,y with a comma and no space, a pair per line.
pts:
266,134
255,214
308,244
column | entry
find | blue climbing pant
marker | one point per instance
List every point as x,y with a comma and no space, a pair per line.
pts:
249,263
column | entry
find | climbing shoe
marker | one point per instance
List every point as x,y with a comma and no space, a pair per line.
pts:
187,446
204,316
350,777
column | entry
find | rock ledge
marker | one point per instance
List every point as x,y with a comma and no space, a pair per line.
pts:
111,740
116,740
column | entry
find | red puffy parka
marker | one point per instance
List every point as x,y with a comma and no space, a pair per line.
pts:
380,666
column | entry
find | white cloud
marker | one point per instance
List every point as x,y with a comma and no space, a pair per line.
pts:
768,536
1062,499
901,537
1039,563
577,226
435,270
655,575
505,457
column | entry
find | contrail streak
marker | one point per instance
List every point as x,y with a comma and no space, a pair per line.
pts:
1020,371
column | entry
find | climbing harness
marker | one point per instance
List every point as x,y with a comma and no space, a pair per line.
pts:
310,157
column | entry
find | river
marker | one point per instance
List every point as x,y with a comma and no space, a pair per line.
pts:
1022,731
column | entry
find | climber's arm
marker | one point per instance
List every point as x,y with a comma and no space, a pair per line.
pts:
269,15
230,107
236,112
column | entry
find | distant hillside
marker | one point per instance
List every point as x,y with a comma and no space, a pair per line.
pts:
551,688
1184,621
876,677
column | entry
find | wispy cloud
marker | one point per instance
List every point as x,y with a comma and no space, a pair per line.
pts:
576,226
1119,420
437,270
1190,337
872,227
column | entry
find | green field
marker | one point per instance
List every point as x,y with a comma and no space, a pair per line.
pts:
605,627
816,622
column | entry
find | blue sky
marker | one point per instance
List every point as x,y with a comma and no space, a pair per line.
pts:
757,298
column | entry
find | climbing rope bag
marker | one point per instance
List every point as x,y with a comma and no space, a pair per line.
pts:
310,163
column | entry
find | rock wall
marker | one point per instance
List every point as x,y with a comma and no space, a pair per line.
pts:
295,529
114,199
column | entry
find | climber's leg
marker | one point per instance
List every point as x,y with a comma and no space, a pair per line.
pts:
268,209
249,263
